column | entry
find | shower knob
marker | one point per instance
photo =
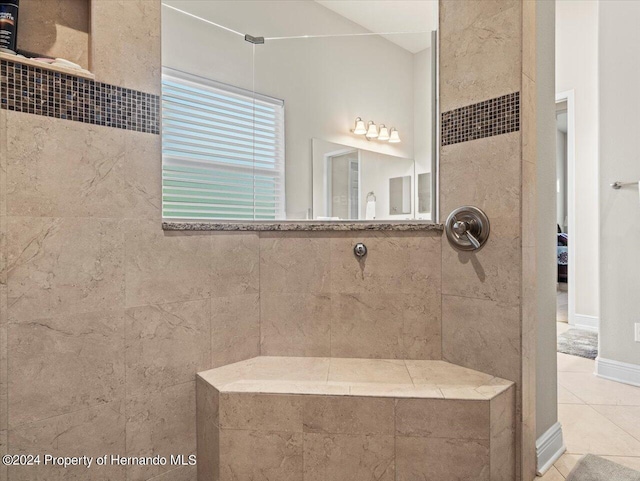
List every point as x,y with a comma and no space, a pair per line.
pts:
360,250
467,228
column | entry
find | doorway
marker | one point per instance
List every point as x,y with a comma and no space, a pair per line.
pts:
565,211
343,184
562,213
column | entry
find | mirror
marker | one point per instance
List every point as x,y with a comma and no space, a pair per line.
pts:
358,184
424,193
296,110
400,195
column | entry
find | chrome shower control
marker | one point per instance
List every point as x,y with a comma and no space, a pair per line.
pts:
467,228
360,250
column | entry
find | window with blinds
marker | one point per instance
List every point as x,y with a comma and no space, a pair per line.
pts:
222,151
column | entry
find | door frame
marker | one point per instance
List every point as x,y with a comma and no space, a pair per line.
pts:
328,159
568,96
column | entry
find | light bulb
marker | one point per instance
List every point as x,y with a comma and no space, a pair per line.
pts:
394,136
359,129
372,131
384,133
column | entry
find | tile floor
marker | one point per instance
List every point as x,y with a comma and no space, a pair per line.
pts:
597,416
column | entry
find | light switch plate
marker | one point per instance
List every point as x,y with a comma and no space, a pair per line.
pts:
637,335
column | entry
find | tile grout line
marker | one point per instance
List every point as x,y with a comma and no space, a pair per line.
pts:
76,411
259,235
615,423
124,282
584,403
441,298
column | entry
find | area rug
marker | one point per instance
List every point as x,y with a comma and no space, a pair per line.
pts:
579,342
595,468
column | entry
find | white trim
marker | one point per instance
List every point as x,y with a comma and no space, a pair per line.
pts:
568,96
618,371
198,81
549,447
588,323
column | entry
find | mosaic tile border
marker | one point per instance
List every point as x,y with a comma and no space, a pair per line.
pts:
496,116
40,91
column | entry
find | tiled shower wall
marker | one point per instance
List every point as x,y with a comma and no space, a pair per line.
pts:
109,317
487,53
317,299
105,318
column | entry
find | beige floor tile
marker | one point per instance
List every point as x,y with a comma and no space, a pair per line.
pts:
552,475
568,363
598,416
595,390
567,397
625,417
566,463
587,431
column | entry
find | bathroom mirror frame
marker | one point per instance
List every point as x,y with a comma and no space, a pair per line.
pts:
311,218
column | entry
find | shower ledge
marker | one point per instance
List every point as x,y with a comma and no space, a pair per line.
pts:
301,418
303,225
355,377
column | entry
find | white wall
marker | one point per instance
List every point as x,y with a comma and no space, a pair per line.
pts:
577,69
325,83
377,169
619,160
423,140
546,366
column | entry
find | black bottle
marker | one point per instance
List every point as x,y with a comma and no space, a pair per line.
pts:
9,25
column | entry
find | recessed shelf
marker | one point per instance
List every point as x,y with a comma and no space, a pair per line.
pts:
56,29
46,66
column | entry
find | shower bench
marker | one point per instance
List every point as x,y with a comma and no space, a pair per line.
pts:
331,419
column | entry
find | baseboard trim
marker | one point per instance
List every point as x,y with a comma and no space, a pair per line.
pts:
618,371
549,447
589,323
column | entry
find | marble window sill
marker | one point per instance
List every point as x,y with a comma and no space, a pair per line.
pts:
304,226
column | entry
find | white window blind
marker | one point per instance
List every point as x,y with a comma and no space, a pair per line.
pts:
222,151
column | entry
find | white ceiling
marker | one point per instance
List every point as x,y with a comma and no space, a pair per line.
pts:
391,16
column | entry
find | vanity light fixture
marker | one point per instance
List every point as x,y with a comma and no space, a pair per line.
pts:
384,133
371,131
359,128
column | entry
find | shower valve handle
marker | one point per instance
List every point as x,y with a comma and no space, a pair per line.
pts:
467,228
